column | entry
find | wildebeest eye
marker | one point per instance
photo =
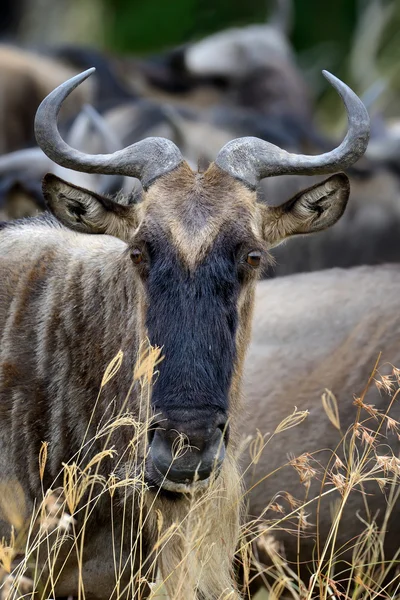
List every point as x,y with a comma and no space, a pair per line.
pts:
254,258
137,256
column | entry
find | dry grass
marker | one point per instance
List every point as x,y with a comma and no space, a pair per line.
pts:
366,458
31,559
40,544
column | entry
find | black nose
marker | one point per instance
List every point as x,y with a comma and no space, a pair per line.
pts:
182,455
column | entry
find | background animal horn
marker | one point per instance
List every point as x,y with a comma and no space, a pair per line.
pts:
147,160
251,159
281,16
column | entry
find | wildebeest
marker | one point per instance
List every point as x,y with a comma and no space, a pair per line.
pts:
250,69
313,332
258,65
25,79
256,70
179,267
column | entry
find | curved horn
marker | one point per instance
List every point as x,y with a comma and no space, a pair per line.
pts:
147,160
281,17
251,159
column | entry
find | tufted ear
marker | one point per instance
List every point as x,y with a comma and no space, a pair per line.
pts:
87,212
314,209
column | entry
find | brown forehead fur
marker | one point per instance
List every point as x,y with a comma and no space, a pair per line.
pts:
193,208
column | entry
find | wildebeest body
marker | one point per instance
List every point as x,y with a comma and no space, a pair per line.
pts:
66,373
25,80
313,332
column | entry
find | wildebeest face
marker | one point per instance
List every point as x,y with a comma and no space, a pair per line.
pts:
196,243
198,251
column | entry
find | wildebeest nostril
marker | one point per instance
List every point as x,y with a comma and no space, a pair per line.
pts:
182,459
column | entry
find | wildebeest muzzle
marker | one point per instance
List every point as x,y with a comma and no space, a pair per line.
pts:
184,454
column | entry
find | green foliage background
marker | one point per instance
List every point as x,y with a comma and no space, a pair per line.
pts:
144,26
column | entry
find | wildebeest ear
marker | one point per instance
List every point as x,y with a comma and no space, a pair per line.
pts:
85,211
314,209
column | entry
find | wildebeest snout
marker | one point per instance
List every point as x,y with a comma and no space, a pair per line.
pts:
185,454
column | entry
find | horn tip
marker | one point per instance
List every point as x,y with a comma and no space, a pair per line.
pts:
329,76
85,74
77,79
347,95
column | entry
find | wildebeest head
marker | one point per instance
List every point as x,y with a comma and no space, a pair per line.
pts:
197,242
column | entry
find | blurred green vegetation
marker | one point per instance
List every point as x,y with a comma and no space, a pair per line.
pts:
144,26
